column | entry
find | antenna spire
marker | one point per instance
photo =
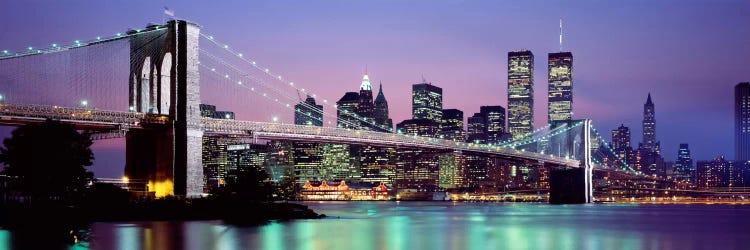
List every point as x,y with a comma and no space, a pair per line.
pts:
561,34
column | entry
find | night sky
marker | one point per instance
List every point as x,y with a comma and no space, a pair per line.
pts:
687,54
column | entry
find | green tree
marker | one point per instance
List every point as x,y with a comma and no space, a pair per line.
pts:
47,161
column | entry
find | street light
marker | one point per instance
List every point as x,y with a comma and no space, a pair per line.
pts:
84,103
2,98
275,118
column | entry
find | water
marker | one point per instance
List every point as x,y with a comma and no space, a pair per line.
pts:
447,225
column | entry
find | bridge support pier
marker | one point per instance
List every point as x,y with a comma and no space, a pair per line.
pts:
165,80
570,186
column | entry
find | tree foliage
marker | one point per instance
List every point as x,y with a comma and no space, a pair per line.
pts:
47,161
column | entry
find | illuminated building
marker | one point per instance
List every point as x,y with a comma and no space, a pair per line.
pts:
742,122
307,155
280,160
714,173
520,93
308,113
560,88
477,170
683,167
347,111
242,157
621,141
652,163
476,129
366,107
649,127
380,114
451,170
342,191
419,127
416,168
214,150
210,111
452,125
494,119
427,102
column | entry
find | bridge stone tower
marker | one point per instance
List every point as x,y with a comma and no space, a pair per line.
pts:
164,80
574,185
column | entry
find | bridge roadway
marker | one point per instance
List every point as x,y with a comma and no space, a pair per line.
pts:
84,118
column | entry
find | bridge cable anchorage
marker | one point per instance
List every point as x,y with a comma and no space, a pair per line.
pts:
267,71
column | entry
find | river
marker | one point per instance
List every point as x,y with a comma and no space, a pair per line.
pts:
448,225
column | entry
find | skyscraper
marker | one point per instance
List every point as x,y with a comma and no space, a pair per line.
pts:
453,125
742,122
346,115
683,167
476,131
366,107
427,102
307,155
621,141
520,93
649,127
308,113
652,162
494,119
380,114
560,88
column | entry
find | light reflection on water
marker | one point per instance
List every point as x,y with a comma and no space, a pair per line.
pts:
446,225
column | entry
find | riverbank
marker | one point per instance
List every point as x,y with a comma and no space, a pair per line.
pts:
59,225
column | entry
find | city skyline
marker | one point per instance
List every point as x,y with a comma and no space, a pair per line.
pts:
480,73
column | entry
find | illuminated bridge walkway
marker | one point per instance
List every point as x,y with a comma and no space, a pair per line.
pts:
146,85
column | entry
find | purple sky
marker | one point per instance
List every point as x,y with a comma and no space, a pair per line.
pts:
689,55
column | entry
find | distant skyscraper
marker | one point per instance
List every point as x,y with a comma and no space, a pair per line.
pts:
494,119
427,102
453,125
415,167
366,107
652,162
649,127
476,129
308,113
683,167
214,150
347,111
308,155
520,93
560,88
714,173
621,141
381,110
742,122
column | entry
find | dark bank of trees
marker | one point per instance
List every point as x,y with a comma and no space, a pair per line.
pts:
46,190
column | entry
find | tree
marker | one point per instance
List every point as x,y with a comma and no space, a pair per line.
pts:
47,161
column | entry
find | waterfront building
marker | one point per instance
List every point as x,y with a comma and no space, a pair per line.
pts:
307,155
520,93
